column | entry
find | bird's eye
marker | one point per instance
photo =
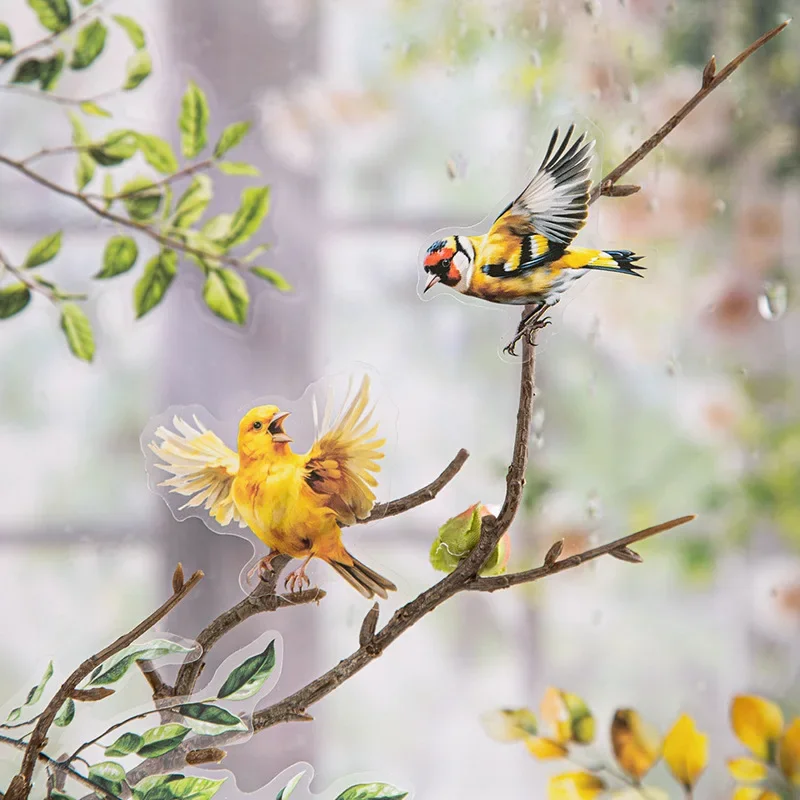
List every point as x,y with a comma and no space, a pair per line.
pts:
446,262
257,425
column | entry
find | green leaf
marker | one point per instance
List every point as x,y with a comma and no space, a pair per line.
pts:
273,277
284,793
66,714
151,782
43,251
193,202
150,289
231,136
80,136
50,71
248,678
112,670
218,227
13,299
225,293
126,744
138,69
84,171
35,693
141,198
372,791
237,168
56,795
119,256
108,775
193,121
6,42
255,253
93,110
89,44
158,153
132,28
249,216
191,788
28,71
55,15
209,719
78,330
163,739
118,146
108,190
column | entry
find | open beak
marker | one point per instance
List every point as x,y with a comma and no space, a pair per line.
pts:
276,428
431,283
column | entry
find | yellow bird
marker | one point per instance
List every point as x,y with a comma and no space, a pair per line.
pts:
295,503
526,257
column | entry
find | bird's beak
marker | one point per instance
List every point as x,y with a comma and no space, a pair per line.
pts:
279,437
431,283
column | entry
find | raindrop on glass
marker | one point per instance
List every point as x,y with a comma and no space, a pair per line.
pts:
594,508
592,7
632,94
774,299
538,95
456,166
537,428
536,59
719,206
542,19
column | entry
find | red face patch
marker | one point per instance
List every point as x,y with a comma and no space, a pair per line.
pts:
435,258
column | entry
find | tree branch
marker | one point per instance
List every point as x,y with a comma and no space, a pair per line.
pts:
20,785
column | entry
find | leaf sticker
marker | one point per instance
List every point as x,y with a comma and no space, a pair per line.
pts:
66,714
55,15
78,330
686,751
13,299
193,121
568,716
209,719
6,42
90,43
253,207
273,277
159,272
287,790
636,744
509,724
43,251
112,670
132,28
108,775
193,202
231,136
372,791
225,293
158,153
163,739
238,168
138,69
758,724
248,678
119,256
574,786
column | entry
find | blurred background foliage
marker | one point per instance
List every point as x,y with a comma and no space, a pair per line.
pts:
380,123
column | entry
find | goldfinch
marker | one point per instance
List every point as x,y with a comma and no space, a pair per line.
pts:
526,257
295,503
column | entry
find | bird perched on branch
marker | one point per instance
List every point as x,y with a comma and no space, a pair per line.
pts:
526,257
295,503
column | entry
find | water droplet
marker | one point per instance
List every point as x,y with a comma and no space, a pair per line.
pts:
524,33
592,7
536,58
632,94
542,19
456,166
653,204
537,428
672,367
774,299
492,32
538,94
595,93
594,508
719,206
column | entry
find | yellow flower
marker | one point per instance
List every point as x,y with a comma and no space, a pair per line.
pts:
789,752
567,716
509,724
686,751
543,748
747,769
574,786
637,745
758,724
754,793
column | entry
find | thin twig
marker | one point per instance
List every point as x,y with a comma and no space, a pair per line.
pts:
38,94
706,88
27,279
22,782
157,684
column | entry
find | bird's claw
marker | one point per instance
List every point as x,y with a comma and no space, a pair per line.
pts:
527,333
297,581
263,567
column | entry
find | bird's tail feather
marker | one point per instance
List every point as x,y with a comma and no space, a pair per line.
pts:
363,579
616,261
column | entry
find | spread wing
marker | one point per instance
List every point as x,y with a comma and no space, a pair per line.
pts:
202,468
555,203
341,462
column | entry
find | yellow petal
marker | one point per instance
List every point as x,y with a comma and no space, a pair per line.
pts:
509,724
637,745
686,751
574,786
789,752
753,793
758,724
567,716
543,748
640,793
747,769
